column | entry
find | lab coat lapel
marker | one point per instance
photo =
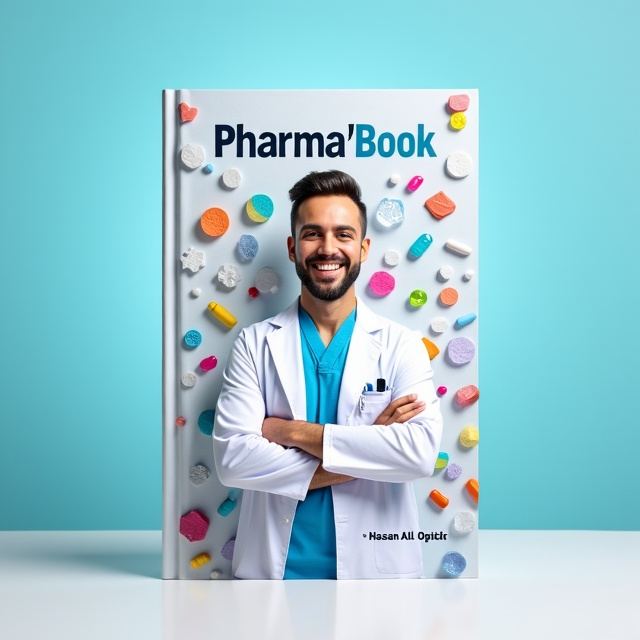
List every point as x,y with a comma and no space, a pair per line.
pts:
286,352
362,359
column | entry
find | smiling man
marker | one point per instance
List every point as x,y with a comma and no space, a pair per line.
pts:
327,413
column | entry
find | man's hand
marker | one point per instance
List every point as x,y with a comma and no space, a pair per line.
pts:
401,410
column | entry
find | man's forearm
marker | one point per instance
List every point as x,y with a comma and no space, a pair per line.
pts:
295,433
323,478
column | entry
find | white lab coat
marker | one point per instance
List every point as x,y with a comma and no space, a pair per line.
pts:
264,377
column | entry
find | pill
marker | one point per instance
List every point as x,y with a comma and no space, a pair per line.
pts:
227,549
458,121
463,321
460,351
439,499
432,349
253,292
222,314
181,421
382,283
440,205
473,489
453,564
445,272
231,178
469,437
199,474
194,526
189,379
209,363
457,247
229,275
214,222
439,325
248,247
459,102
391,257
417,298
192,338
187,113
192,156
415,182
196,292
227,506
260,208
441,390
193,259
458,164
200,560
469,274
267,280
464,522
454,471
390,212
208,168
466,396
205,421
420,245
394,178
448,296
442,460
216,574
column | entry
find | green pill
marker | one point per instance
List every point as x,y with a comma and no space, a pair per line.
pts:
417,298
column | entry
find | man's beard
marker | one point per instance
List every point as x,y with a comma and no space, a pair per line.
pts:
328,293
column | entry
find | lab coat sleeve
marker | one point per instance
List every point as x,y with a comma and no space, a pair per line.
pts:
243,457
399,452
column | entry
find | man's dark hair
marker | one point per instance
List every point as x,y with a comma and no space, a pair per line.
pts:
326,183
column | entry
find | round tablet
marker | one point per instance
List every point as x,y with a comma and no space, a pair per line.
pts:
394,179
382,283
267,280
445,272
196,292
469,274
253,292
192,156
441,390
248,247
205,421
458,121
231,178
192,338
449,296
199,474
469,437
459,164
391,257
181,421
260,208
417,298
453,564
214,222
454,471
464,522
460,351
189,379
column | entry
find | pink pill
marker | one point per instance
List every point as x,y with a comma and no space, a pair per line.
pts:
209,363
459,103
382,283
466,396
415,182
442,391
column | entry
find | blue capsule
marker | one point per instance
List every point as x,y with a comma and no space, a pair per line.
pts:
463,321
420,245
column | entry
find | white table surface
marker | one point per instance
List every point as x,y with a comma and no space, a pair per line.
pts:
573,585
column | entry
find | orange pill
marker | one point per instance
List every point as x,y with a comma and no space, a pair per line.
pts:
440,205
432,349
214,222
439,499
473,488
449,296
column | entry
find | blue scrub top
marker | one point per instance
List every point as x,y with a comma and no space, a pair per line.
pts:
312,548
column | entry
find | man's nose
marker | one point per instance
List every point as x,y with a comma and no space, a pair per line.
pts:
327,246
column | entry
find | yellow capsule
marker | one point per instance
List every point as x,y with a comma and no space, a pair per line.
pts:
227,318
458,121
199,560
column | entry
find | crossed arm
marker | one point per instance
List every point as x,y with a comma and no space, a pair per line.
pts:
308,436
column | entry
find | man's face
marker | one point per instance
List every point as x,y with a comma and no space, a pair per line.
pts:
328,247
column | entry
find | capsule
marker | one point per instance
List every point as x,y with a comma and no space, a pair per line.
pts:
439,499
222,314
415,182
420,245
473,488
200,560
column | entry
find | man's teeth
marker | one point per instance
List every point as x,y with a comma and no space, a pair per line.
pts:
327,267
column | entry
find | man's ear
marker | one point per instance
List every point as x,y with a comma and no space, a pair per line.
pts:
364,249
291,248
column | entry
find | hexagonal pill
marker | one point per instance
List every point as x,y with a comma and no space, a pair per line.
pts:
192,156
464,522
439,325
199,474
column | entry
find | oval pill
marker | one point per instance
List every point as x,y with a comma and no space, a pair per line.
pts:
463,321
457,247
415,182
473,488
439,499
466,396
420,245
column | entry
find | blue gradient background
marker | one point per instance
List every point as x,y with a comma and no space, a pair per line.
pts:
80,246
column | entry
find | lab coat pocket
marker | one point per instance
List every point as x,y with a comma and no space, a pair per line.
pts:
370,406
